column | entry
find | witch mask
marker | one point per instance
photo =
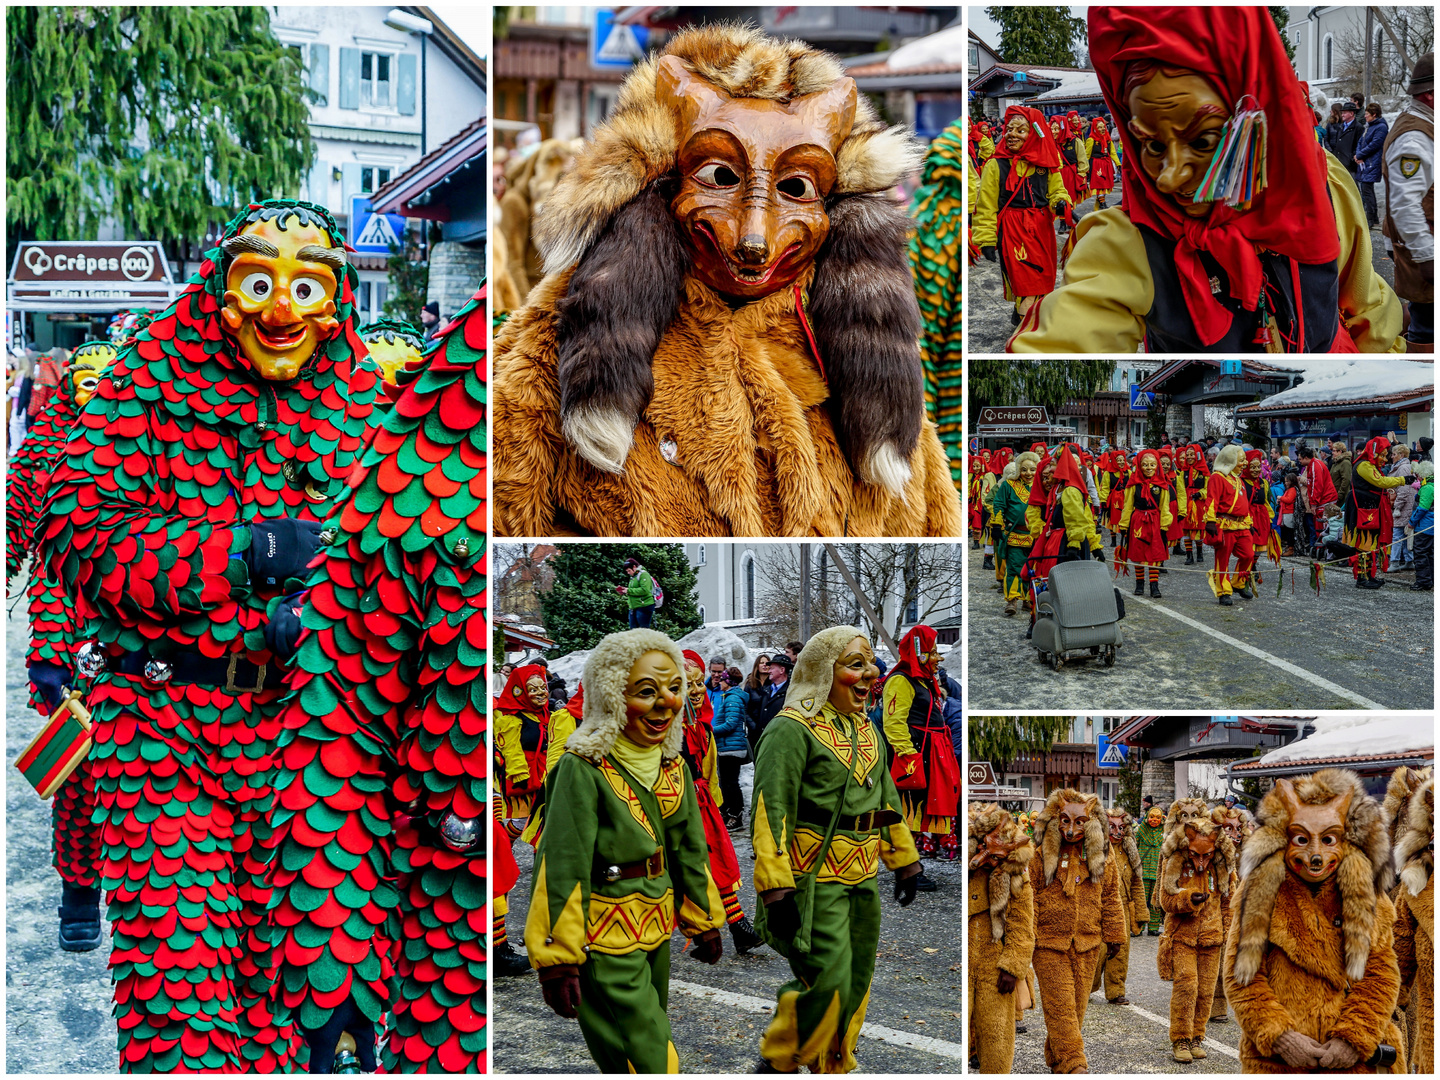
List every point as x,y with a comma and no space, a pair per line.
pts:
86,366
754,174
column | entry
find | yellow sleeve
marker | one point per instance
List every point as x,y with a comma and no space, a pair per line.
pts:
1115,152
1127,509
562,726
1100,304
1369,308
1373,477
987,148
1055,190
982,229
899,695
1181,498
1166,518
507,742
1104,486
972,186
1079,522
1082,156
712,774
1034,519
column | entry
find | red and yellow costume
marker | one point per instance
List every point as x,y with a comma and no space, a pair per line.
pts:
1145,519
1228,524
1074,150
923,765
1104,160
1262,513
1196,472
1369,518
1178,502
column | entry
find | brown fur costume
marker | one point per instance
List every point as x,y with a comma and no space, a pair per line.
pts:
529,182
621,348
1220,815
1193,935
1111,973
1315,959
1002,938
1403,783
1415,919
1077,912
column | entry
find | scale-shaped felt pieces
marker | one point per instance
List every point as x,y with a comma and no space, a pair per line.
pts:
146,522
384,734
29,474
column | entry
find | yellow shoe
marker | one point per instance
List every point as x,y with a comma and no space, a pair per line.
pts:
1197,1049
1181,1051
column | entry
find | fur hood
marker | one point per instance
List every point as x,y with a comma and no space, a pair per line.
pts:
1177,842
815,669
607,671
1184,810
1007,879
1128,845
1404,782
1415,838
1047,828
1220,815
609,223
1364,869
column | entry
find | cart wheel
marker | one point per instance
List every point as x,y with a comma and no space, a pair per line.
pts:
1055,661
1109,655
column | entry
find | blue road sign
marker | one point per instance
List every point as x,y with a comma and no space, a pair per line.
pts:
372,233
1140,399
1110,755
1230,367
613,46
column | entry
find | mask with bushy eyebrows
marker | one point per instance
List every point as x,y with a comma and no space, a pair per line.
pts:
754,176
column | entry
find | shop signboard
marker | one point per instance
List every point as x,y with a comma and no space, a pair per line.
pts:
89,275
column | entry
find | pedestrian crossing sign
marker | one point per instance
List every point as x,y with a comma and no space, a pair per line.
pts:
1110,755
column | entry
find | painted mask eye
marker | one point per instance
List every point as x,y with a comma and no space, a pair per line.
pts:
307,291
717,175
257,286
797,187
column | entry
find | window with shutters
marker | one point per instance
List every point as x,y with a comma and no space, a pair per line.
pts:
377,80
372,178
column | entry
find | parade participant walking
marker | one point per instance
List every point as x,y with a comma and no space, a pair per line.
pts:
1001,929
1145,520
1422,521
825,814
378,851
188,503
1149,838
1368,517
1073,150
982,147
1059,514
1184,265
699,751
1022,192
1232,821
1079,918
1310,968
994,470
1011,501
1190,888
974,506
1112,971
1408,169
1415,921
1228,526
1104,160
1195,471
1264,531
622,859
767,276
923,763
1180,508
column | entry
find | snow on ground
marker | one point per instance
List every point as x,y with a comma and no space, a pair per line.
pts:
1354,735
1346,380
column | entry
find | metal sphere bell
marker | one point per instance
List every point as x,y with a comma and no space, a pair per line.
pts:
90,660
458,833
158,672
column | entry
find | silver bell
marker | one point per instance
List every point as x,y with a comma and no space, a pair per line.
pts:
158,672
327,536
458,833
90,660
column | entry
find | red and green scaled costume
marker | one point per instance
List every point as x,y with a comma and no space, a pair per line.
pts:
29,474
147,523
378,823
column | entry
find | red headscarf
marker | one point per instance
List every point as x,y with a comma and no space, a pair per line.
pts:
1100,132
1067,474
1073,121
576,705
1377,452
1137,477
915,644
1039,149
514,699
707,710
1000,459
1201,462
1038,448
1238,51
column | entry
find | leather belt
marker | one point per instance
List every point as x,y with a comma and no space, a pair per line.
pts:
811,814
652,867
235,675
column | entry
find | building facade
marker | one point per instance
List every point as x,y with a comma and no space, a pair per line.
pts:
1329,43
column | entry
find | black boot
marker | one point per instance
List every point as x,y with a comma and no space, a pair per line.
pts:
1246,593
79,918
988,563
744,936
1155,590
1189,558
1139,586
506,962
924,884
1199,554
1225,601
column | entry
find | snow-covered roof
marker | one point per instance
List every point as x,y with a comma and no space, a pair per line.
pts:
1339,381
1072,84
942,47
1366,736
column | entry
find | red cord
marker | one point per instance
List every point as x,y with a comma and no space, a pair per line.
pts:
809,334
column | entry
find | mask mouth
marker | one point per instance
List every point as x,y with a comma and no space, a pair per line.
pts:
656,726
282,339
752,276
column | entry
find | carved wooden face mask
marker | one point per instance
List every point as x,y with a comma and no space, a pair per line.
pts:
754,175
1116,828
1202,847
994,850
86,367
1073,817
1315,834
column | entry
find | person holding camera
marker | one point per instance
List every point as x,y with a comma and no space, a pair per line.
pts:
639,594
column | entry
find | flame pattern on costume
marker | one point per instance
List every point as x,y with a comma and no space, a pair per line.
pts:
389,697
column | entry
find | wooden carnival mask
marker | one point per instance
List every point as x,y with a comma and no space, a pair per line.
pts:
1315,833
694,685
1201,847
392,351
754,175
1179,121
994,850
652,698
280,292
537,692
1116,827
1073,817
854,673
86,366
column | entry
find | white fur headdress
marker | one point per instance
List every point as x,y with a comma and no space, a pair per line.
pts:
815,668
607,672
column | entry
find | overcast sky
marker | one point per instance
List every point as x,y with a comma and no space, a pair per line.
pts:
470,22
983,25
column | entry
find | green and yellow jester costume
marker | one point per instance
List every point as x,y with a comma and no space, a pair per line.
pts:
936,249
622,859
189,499
825,814
378,824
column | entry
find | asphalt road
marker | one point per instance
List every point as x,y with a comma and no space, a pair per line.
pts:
912,1024
57,1004
1123,1038
1346,648
987,312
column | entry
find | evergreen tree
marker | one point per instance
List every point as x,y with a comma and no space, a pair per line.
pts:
409,282
163,119
1281,16
582,605
1048,383
1038,36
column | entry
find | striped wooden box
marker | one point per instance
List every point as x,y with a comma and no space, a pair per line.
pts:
58,749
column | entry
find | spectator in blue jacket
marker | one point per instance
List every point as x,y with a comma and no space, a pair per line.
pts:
954,710
1368,154
1422,520
732,747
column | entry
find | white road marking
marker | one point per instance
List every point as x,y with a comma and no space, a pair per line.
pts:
1228,1051
938,1047
1283,665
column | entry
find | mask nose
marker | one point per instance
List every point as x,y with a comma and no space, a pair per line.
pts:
752,250
1316,862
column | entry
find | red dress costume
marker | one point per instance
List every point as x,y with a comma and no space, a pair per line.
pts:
1102,165
1146,514
1025,222
1197,477
1228,524
698,751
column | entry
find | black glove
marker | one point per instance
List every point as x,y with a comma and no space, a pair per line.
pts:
321,1041
783,917
282,630
281,548
1100,554
989,253
708,947
905,889
50,681
560,987
1112,950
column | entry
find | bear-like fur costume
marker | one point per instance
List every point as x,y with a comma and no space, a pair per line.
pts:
1002,938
